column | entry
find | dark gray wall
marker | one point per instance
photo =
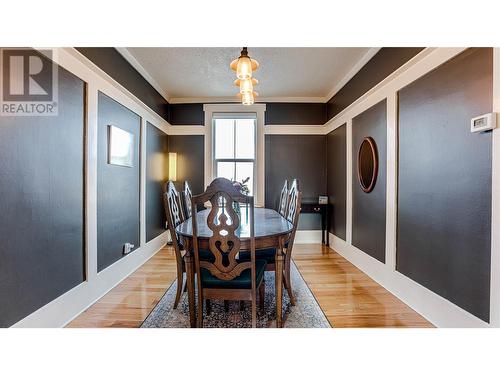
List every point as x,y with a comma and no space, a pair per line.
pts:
444,214
296,156
380,66
276,114
156,175
190,151
117,186
114,64
368,209
42,204
336,180
186,114
295,113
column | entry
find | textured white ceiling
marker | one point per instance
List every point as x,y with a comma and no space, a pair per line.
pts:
283,72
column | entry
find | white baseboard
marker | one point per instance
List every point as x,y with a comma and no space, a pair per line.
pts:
65,308
436,309
308,236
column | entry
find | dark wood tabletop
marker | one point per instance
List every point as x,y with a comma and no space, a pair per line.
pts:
268,223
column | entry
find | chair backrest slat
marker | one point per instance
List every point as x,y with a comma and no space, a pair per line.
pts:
293,201
173,211
224,222
293,210
283,204
187,195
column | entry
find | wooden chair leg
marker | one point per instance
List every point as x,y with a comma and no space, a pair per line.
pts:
208,306
288,280
180,278
254,310
262,293
226,305
200,309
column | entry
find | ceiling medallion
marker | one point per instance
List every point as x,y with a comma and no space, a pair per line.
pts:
244,67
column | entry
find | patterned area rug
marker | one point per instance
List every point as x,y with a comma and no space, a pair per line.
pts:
305,314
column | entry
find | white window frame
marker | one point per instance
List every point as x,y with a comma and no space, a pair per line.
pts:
237,110
235,116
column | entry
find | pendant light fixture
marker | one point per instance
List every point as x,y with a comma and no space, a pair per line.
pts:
246,85
244,67
248,98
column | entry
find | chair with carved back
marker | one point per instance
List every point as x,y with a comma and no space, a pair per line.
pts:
292,211
292,215
283,203
187,195
225,276
173,212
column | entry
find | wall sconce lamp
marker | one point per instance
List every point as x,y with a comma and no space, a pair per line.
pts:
172,166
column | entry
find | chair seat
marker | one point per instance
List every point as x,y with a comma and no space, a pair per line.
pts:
262,254
266,254
244,281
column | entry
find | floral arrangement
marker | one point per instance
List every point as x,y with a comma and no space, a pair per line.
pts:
242,186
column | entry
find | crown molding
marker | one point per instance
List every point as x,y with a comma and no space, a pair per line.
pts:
354,70
234,107
234,99
143,72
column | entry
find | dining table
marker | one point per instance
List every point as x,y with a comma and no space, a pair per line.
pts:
271,230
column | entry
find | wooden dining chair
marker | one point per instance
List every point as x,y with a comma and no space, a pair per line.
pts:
173,212
225,276
187,195
283,199
292,212
292,215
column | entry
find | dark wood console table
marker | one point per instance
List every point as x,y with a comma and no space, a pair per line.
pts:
311,206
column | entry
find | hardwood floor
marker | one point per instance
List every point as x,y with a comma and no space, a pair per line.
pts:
130,302
348,297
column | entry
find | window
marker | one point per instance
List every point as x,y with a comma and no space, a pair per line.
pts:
234,147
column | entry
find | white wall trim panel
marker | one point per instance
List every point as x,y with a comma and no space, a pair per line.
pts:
63,309
495,209
433,307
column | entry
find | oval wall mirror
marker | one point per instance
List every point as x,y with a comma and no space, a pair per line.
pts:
367,164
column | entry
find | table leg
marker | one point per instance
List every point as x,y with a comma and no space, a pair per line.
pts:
323,225
327,226
190,284
279,283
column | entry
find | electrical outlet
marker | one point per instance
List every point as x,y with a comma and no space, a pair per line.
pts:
127,248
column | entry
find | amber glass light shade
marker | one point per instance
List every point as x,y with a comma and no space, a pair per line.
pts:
244,68
247,98
246,85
